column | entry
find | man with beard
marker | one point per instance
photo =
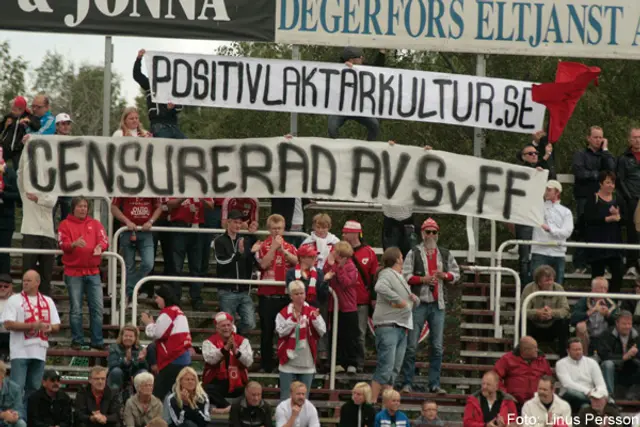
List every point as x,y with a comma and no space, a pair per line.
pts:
49,406
297,411
427,268
546,407
490,407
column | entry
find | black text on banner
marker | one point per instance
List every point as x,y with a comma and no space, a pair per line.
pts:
315,168
237,20
335,89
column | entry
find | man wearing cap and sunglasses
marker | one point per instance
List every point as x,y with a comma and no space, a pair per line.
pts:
49,406
427,268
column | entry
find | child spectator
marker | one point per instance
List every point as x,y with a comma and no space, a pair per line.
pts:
390,415
341,274
14,127
321,238
429,415
307,273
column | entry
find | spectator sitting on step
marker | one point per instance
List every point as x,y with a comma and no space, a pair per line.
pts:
142,407
12,411
490,407
428,415
13,129
96,405
6,291
126,358
579,376
306,272
557,227
235,261
391,414
297,411
49,406
323,240
227,357
547,316
83,240
592,317
599,410
9,196
618,350
519,370
130,125
341,274
188,403
30,317
251,410
172,338
392,320
632,306
546,406
359,411
299,326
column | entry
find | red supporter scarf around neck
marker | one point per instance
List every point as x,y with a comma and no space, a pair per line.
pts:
39,313
312,275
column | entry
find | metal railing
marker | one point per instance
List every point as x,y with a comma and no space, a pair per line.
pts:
110,255
527,300
114,244
334,330
497,290
497,328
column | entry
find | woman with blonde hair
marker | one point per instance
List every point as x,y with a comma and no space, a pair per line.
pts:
126,358
358,412
130,124
188,403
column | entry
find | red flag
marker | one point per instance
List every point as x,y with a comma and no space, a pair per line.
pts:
561,97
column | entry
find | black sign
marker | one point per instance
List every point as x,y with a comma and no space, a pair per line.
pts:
234,20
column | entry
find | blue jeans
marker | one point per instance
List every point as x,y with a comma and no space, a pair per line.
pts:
162,130
285,383
556,262
117,378
391,344
19,423
77,286
144,244
372,125
187,245
426,311
241,303
613,376
27,373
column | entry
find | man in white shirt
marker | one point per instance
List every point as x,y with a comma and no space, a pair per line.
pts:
546,408
30,317
6,290
297,411
579,375
557,227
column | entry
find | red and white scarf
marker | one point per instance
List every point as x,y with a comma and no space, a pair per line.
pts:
40,313
312,276
235,372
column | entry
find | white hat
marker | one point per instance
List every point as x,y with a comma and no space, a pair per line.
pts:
598,393
63,117
554,184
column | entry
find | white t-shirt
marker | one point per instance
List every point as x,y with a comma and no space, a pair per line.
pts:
14,311
308,416
119,133
3,303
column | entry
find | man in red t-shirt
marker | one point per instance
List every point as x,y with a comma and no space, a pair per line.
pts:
249,207
136,212
366,263
188,213
275,256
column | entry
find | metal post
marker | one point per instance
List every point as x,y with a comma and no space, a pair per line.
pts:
295,55
478,141
106,86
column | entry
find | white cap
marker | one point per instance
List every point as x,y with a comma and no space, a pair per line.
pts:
63,117
554,184
598,394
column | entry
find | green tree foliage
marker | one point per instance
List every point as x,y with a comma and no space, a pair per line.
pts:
12,76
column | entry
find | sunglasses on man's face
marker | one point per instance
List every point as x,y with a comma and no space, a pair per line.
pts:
430,232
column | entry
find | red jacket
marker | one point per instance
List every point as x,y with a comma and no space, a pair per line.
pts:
235,372
519,377
473,416
345,285
81,261
366,257
174,335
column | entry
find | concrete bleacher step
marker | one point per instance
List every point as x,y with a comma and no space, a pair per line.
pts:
496,355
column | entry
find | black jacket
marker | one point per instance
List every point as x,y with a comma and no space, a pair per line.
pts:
44,411
158,113
243,415
610,348
10,196
349,415
550,163
628,176
11,133
586,167
230,262
86,405
630,305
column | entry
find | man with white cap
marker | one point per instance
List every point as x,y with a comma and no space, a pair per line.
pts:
427,268
557,227
63,124
600,412
227,357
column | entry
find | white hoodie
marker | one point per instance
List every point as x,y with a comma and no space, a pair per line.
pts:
534,413
323,246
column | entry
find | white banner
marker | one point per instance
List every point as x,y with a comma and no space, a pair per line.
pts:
335,89
315,168
566,28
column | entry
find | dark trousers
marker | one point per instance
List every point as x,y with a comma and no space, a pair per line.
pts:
371,123
348,339
165,379
218,392
615,267
398,233
632,234
6,237
580,254
161,130
558,331
268,309
212,219
524,253
165,240
43,264
188,245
